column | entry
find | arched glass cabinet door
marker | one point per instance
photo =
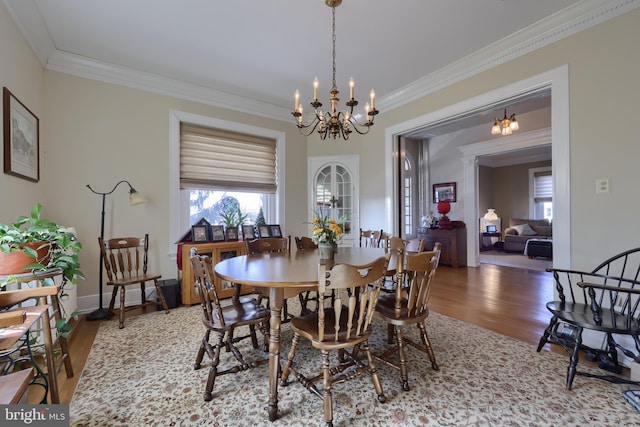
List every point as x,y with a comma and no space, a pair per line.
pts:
334,197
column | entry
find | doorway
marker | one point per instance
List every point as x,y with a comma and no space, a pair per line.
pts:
557,81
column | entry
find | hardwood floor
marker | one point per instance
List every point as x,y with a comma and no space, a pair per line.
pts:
506,300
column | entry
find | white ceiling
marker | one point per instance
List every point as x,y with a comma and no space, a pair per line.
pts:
251,55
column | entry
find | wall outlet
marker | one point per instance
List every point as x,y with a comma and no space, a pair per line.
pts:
603,185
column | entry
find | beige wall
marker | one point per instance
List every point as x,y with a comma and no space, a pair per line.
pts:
97,133
510,189
22,74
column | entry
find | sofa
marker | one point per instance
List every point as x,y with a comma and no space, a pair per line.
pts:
522,229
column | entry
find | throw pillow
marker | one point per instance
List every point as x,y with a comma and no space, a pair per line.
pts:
524,230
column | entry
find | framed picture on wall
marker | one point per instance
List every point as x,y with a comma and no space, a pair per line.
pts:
21,139
444,192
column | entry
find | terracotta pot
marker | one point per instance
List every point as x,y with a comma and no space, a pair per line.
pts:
14,262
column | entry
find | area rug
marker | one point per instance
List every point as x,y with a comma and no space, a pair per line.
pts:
143,375
516,260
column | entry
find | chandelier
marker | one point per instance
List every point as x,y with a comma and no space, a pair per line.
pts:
505,126
333,122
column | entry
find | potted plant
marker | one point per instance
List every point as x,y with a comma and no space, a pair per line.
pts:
42,244
230,213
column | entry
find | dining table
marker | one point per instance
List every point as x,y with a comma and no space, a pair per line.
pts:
285,274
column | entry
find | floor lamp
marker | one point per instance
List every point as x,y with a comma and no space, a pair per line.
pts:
135,198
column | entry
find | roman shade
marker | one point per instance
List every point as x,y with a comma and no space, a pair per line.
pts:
222,160
543,187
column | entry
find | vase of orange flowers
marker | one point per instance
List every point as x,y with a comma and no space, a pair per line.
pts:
326,233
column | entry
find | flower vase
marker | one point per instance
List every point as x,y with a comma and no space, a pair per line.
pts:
326,251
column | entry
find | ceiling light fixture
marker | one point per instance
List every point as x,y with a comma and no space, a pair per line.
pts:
505,126
335,123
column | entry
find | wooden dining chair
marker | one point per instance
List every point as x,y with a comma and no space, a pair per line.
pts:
366,238
408,305
376,238
344,326
223,319
306,243
414,245
126,263
269,245
395,244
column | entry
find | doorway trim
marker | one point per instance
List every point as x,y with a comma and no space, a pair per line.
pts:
558,80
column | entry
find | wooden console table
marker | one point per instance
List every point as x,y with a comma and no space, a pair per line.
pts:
217,251
453,241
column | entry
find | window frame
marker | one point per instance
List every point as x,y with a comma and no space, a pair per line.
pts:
273,207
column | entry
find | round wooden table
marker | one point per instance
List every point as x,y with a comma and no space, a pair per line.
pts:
286,275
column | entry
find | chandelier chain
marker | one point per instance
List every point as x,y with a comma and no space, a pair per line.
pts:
333,9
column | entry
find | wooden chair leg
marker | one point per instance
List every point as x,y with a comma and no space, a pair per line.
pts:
427,345
573,361
201,350
214,354
112,303
163,301
326,389
373,371
122,295
292,352
402,356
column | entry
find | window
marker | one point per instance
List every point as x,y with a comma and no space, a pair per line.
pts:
211,159
408,198
541,194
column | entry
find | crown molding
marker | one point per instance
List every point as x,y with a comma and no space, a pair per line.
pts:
571,20
102,71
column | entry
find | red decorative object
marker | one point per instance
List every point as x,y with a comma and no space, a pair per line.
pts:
444,208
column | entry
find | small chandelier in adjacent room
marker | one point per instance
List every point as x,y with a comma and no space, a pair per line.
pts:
333,122
505,126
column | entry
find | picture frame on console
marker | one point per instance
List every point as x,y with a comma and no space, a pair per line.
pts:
264,231
199,233
444,192
231,234
217,233
248,232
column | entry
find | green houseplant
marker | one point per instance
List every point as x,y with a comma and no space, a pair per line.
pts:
46,244
230,212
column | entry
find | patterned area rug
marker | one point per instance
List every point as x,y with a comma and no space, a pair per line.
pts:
143,375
